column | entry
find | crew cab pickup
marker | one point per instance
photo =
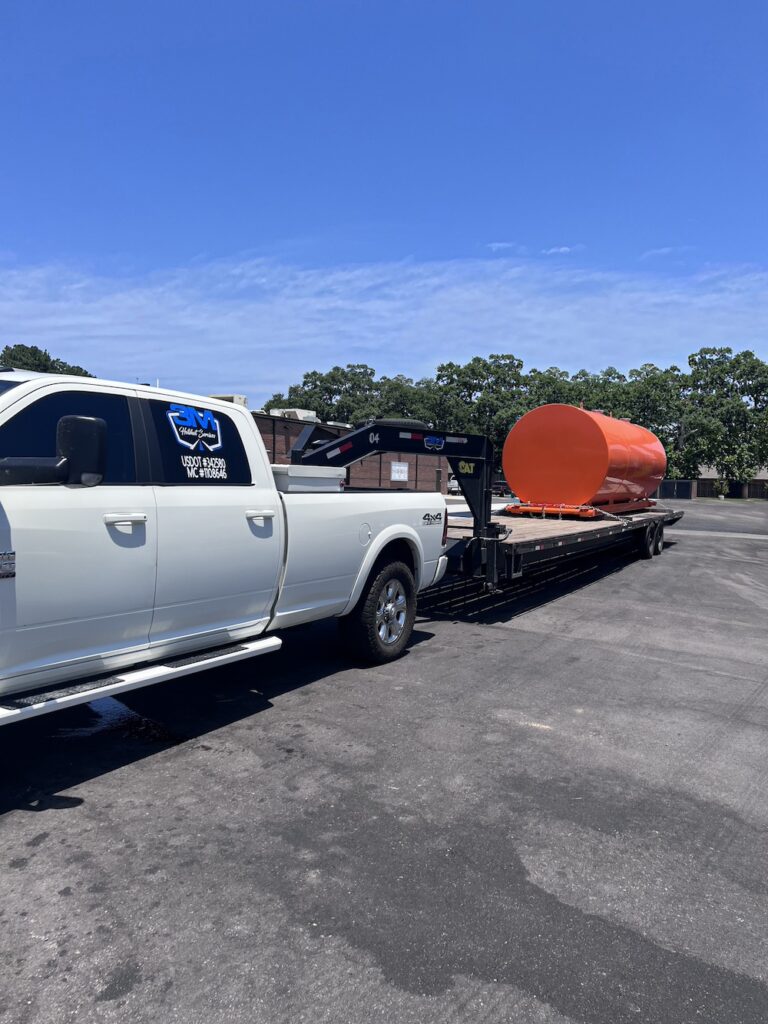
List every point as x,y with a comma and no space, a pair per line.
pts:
144,535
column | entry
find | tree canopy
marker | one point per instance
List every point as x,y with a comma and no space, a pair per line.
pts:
714,412
30,357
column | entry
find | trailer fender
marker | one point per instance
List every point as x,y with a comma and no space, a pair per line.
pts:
389,537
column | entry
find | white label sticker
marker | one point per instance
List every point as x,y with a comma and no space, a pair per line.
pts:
204,467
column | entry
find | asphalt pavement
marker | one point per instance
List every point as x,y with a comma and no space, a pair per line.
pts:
553,808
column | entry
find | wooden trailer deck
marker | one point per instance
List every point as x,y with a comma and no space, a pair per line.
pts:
526,530
524,541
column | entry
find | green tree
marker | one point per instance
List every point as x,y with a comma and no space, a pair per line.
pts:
343,393
605,391
715,413
659,399
30,357
729,403
400,398
551,386
483,395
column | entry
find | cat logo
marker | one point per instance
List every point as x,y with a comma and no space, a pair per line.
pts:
467,468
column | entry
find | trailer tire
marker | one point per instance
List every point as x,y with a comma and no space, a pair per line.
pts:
658,540
647,542
380,626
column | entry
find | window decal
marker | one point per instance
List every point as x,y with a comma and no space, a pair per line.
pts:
195,428
197,445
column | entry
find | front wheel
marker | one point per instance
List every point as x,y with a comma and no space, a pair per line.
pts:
381,624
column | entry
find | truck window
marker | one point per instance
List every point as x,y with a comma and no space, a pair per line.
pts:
197,446
32,432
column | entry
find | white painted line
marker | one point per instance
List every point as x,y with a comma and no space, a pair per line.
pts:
688,532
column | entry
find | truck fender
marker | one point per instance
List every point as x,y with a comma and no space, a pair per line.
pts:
391,533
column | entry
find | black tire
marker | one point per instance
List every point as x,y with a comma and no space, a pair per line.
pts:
647,541
658,540
380,626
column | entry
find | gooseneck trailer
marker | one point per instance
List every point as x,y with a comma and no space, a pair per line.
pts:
486,544
110,492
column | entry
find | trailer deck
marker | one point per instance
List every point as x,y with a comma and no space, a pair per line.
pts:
525,541
537,529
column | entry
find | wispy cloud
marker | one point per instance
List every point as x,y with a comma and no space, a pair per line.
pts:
666,250
508,248
562,250
255,326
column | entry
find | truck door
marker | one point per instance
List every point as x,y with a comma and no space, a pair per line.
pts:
220,527
78,571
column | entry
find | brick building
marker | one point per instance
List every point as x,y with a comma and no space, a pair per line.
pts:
425,472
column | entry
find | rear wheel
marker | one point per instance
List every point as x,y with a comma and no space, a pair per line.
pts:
382,622
658,542
647,541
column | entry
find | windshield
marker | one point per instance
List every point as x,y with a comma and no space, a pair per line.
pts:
5,385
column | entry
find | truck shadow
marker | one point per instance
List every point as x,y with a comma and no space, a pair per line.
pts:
42,758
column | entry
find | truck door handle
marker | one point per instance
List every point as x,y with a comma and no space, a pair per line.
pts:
260,513
124,518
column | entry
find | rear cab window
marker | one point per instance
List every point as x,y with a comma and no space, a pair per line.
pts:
194,445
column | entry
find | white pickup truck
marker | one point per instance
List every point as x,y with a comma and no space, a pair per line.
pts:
144,535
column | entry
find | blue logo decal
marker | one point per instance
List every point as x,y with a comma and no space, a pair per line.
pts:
195,428
434,444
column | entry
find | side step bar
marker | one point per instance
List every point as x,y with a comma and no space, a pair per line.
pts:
17,707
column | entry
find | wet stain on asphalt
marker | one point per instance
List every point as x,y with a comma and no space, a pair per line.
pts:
122,979
38,839
604,804
429,903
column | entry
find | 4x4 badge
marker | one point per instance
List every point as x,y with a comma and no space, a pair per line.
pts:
7,565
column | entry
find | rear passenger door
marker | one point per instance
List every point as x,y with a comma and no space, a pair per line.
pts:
220,527
83,557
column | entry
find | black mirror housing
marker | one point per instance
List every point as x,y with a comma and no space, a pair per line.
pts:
82,442
33,471
81,457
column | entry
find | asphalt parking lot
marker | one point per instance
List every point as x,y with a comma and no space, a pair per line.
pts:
554,808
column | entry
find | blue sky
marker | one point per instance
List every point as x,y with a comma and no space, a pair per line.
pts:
291,185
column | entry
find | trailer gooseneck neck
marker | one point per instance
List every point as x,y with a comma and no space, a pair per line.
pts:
470,457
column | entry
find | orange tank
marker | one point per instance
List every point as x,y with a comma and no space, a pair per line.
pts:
560,454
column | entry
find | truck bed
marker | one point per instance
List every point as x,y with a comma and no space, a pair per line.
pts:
528,540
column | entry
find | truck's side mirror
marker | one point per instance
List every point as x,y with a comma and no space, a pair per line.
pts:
81,456
23,470
82,442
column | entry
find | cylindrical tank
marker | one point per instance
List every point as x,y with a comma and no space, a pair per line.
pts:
560,454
